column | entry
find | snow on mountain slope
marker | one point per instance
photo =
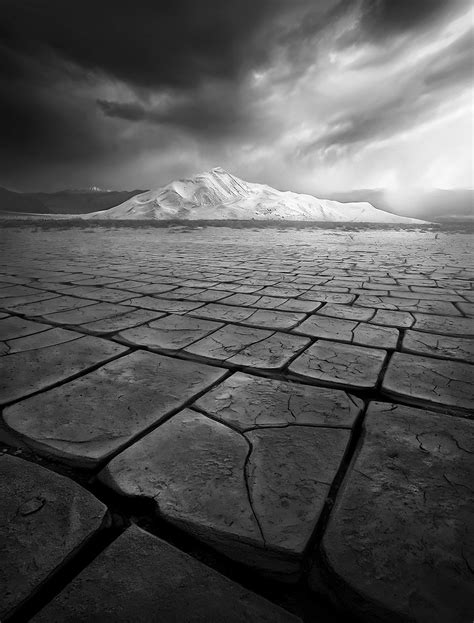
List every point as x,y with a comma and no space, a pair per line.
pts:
217,194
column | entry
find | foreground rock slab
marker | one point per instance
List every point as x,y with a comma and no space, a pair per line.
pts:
51,306
349,312
171,333
401,319
193,467
340,364
163,305
272,353
256,497
51,337
290,472
90,313
227,342
119,323
426,381
141,578
341,329
443,346
27,372
328,328
85,420
44,518
245,402
13,327
445,325
400,540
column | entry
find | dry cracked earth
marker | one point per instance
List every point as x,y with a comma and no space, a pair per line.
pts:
236,425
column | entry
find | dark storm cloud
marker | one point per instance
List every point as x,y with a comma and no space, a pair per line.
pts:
176,43
39,120
390,23
373,20
216,110
180,43
60,62
382,18
43,120
50,50
201,117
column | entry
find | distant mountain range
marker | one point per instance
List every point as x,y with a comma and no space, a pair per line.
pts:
21,203
433,205
217,194
72,202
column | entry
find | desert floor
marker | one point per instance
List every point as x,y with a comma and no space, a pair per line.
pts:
224,424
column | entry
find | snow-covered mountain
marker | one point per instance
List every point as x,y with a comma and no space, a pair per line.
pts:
217,194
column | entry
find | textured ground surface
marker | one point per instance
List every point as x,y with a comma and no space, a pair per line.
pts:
292,408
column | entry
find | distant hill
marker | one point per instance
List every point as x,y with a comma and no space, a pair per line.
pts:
434,204
63,202
18,202
83,201
218,195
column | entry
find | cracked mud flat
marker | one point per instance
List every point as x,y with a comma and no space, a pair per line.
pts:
279,419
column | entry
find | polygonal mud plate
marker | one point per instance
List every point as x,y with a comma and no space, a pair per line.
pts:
255,497
85,420
25,373
141,578
400,540
44,518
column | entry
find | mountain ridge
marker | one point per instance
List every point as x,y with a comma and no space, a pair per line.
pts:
424,203
217,194
18,203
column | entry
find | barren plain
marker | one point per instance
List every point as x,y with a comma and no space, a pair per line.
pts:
225,424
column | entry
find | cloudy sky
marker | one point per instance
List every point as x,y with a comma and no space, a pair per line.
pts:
304,95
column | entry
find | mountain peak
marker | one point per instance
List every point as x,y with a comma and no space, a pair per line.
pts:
214,173
195,178
219,171
217,194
